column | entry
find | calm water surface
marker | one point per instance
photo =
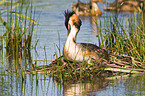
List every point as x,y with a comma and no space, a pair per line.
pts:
49,13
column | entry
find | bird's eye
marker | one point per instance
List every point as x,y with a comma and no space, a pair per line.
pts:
78,24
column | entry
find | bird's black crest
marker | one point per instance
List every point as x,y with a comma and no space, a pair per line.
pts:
67,15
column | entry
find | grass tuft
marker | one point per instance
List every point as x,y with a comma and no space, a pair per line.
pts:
125,37
17,38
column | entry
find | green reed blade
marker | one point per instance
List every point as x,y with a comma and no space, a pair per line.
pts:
24,16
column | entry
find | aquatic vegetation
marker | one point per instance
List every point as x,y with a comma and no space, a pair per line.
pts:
65,70
124,37
17,38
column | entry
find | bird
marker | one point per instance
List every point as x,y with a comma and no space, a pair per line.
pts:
79,52
87,9
125,6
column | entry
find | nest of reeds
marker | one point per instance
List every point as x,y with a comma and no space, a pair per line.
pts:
61,69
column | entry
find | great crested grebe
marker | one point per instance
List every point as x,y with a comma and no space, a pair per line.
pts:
87,9
79,52
125,6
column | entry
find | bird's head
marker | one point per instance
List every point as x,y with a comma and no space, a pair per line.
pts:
71,19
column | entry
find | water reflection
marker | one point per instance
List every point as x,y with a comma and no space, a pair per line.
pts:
128,86
42,85
84,87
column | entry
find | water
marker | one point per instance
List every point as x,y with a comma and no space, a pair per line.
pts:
49,13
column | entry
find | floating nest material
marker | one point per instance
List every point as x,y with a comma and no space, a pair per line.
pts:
117,64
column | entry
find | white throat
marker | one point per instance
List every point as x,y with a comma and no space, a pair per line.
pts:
72,35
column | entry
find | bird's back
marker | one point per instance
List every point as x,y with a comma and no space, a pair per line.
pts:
94,51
